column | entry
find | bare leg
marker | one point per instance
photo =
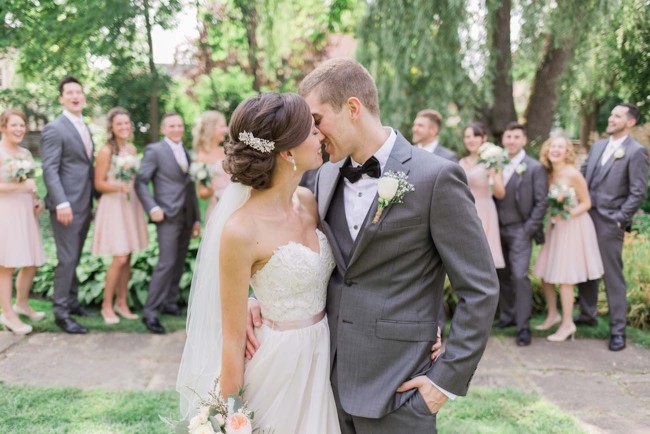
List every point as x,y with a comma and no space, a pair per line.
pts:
567,297
24,282
5,297
553,316
123,289
113,276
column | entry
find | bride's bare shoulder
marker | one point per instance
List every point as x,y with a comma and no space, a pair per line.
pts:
240,229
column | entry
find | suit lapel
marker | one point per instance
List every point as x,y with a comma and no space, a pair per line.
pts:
328,180
604,170
73,130
168,150
400,154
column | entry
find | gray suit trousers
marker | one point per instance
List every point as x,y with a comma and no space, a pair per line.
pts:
610,242
69,242
516,295
412,417
174,235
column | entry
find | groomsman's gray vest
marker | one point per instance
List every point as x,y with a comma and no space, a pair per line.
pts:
338,222
508,211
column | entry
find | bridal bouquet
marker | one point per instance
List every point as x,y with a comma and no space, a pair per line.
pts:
492,156
125,167
19,169
561,200
201,173
219,415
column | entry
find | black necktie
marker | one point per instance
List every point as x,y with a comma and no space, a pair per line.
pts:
370,168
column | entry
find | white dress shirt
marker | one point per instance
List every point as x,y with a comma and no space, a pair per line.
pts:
431,147
84,133
358,197
511,167
611,148
179,153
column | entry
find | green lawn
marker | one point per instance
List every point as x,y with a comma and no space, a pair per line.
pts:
171,323
39,410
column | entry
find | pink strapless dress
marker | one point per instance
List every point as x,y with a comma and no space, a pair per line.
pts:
20,238
570,254
220,180
479,185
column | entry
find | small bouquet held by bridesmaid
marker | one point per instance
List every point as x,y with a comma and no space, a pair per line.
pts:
492,156
19,169
125,167
201,173
561,200
219,415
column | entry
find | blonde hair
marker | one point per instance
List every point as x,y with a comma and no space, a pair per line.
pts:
4,117
203,131
110,135
570,152
434,116
337,80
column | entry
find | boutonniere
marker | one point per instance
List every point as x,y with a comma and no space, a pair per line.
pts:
620,153
521,169
392,187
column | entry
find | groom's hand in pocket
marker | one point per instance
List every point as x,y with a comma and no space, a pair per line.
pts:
433,397
254,320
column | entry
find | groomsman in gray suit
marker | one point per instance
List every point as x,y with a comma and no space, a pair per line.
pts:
521,213
426,127
174,209
616,171
67,152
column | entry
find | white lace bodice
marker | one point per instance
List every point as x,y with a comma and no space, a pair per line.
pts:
292,285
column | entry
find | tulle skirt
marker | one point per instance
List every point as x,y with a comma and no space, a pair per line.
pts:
288,381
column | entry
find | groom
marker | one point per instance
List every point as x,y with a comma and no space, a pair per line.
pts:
386,290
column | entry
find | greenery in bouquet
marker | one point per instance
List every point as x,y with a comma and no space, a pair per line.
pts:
201,173
561,200
19,169
125,168
221,415
492,156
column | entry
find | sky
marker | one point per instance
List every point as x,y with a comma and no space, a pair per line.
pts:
165,42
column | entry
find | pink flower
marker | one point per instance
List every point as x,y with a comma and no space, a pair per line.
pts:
238,423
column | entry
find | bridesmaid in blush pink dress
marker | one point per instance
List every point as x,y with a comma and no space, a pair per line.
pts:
120,224
20,240
570,254
484,185
208,136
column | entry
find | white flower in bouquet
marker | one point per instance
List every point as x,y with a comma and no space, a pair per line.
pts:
204,429
125,167
561,200
201,173
19,169
492,156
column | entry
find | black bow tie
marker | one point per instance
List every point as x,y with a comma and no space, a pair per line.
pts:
370,168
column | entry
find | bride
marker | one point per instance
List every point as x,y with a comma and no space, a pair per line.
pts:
263,234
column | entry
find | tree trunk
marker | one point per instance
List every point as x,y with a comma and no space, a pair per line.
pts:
251,21
155,85
588,120
543,98
502,110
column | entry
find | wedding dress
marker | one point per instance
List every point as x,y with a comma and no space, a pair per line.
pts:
288,379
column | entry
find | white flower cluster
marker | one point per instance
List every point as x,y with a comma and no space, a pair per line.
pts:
125,167
19,169
492,156
561,200
201,173
261,145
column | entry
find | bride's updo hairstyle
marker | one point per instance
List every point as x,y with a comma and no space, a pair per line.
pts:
284,119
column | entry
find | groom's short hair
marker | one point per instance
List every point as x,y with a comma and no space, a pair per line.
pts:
337,80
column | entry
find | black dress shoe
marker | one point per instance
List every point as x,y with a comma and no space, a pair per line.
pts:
616,342
172,310
504,324
153,325
82,311
71,326
590,322
523,337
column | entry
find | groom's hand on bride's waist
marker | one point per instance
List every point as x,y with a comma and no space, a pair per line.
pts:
433,397
254,321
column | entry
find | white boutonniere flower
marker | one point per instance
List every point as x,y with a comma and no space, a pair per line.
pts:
620,153
392,187
521,169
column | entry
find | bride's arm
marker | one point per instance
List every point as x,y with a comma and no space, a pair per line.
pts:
237,256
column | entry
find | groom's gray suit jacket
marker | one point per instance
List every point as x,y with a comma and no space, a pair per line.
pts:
387,288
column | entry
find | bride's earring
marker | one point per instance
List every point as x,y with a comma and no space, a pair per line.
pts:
294,166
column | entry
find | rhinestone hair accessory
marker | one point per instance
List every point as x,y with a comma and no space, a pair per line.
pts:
261,145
